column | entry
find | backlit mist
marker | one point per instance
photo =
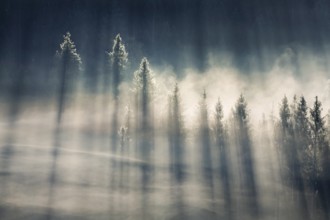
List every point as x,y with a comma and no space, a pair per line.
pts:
164,110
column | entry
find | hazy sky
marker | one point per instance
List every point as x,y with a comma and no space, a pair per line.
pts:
179,33
251,36
263,49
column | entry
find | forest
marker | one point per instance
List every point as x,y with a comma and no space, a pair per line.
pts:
141,146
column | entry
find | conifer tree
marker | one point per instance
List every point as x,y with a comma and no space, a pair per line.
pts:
118,60
176,135
319,144
301,125
205,149
204,133
69,66
302,133
219,129
144,88
287,142
285,117
221,141
243,140
293,107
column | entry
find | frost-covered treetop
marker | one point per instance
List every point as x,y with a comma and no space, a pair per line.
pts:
143,77
118,54
68,46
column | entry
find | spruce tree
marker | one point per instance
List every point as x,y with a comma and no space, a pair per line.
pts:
204,134
69,63
243,140
302,134
221,142
301,124
144,88
319,144
287,142
205,151
285,117
219,129
118,60
176,135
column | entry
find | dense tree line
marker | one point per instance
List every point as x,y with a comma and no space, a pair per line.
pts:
301,134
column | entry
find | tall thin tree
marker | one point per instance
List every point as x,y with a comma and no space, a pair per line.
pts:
244,143
144,88
69,66
319,144
302,133
176,133
221,141
205,149
69,63
118,59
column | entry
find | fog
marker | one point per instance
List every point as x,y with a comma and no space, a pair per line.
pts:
172,118
73,171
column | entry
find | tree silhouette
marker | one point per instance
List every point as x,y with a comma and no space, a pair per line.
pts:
301,125
69,66
293,125
285,116
144,88
219,129
221,141
287,141
302,134
205,150
118,60
319,144
243,139
176,135
319,157
204,134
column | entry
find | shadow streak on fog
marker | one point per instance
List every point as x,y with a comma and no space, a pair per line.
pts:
148,170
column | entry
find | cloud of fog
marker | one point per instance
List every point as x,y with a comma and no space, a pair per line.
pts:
87,124
292,73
